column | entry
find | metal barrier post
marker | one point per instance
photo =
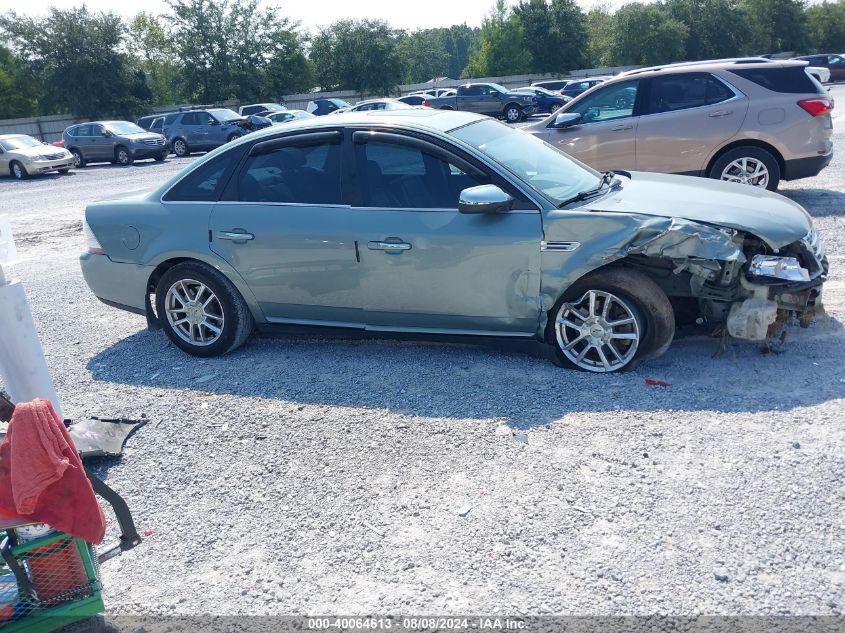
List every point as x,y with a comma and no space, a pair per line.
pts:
23,367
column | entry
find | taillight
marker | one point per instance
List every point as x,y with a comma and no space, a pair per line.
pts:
816,107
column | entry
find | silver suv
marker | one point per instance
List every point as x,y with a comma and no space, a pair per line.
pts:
742,121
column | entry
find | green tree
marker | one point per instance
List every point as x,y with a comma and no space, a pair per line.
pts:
156,55
18,90
501,48
424,55
555,34
360,55
599,36
826,26
775,26
645,34
79,60
461,42
716,28
228,49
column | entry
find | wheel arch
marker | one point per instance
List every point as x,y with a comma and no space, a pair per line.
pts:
168,262
750,142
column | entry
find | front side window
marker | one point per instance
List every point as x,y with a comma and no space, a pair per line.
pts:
613,102
539,165
206,182
304,174
471,91
190,118
398,176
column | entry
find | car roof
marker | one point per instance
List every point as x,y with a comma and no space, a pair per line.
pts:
5,136
422,119
715,64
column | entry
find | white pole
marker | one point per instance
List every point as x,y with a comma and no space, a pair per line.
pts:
22,364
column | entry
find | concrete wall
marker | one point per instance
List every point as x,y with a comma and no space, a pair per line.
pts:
50,128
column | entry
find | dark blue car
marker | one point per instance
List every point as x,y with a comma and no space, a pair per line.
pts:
321,107
547,101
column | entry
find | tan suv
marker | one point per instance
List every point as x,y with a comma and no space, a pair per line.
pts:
754,123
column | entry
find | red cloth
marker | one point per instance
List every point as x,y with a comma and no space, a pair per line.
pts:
41,475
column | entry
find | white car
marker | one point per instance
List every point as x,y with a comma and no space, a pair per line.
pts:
22,156
379,104
821,73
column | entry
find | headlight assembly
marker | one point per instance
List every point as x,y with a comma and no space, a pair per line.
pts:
786,268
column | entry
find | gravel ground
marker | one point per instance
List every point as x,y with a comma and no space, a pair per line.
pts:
320,475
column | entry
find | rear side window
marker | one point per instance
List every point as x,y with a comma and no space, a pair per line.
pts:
791,80
170,118
206,182
690,90
304,174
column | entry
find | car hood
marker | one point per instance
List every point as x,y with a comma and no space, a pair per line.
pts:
39,150
144,136
769,216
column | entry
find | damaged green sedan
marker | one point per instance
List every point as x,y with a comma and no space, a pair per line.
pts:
441,222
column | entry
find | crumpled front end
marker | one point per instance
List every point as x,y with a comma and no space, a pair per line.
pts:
739,280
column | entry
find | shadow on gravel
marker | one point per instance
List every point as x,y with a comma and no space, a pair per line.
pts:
818,202
512,381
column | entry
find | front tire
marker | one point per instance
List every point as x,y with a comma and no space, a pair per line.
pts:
160,157
513,113
748,165
201,311
610,320
180,147
18,171
122,156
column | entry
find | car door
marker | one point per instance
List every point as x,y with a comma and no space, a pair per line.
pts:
192,131
284,227
101,144
83,140
4,160
605,138
424,265
836,64
686,117
469,99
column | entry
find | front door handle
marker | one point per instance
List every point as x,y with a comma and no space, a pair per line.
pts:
388,246
235,236
719,113
621,128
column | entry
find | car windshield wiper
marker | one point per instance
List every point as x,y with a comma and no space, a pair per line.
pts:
608,179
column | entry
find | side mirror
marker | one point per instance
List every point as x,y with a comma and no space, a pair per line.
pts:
567,119
214,122
485,199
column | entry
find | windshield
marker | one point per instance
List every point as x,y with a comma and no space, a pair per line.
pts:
19,142
124,127
340,103
224,115
537,164
498,87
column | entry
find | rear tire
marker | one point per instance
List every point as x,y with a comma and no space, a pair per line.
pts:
201,311
729,167
180,147
610,320
18,171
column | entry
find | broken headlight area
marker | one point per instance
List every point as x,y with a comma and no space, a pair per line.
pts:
777,268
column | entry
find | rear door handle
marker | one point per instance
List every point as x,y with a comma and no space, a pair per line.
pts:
621,128
235,236
388,246
719,113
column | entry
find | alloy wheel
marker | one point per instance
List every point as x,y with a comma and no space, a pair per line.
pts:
747,171
17,170
513,114
123,157
599,332
77,159
179,147
194,312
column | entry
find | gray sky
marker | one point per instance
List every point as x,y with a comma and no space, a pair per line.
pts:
406,14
